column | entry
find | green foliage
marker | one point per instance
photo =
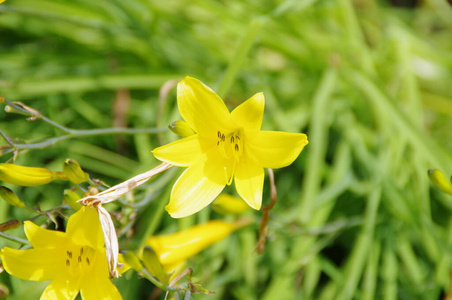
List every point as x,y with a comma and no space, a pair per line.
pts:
369,82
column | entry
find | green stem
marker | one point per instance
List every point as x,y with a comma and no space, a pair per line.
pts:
14,239
157,283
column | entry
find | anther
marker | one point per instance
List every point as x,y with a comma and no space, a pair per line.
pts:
87,260
223,138
69,254
68,263
232,139
237,137
81,251
79,259
236,147
219,134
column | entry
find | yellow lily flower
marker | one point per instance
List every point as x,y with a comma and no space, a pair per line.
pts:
175,248
226,146
74,260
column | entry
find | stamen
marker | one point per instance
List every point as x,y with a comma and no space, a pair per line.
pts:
223,138
236,147
68,262
237,137
232,139
81,251
79,259
87,260
219,134
69,254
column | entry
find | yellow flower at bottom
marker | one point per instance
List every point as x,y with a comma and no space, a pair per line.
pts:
74,260
226,146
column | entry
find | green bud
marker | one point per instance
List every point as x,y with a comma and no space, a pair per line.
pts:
74,172
132,260
181,128
440,181
70,198
153,265
10,197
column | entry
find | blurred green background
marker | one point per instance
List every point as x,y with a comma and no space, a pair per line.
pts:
368,81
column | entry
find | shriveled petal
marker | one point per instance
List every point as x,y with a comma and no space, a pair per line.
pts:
275,149
43,238
201,107
84,228
61,288
194,190
249,182
34,264
180,153
97,285
249,114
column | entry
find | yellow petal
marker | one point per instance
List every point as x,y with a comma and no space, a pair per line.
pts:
97,285
61,288
84,228
176,247
193,190
249,182
180,153
249,114
201,107
275,149
33,264
43,238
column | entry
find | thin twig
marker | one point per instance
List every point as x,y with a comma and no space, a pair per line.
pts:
14,239
71,133
266,214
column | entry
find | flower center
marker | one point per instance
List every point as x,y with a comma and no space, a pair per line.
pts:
230,147
79,260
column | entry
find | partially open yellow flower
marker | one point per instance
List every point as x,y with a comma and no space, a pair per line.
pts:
226,146
74,260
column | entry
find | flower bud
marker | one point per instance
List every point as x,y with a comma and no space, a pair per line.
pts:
226,204
440,181
10,197
70,198
74,172
25,176
152,263
175,248
181,128
132,260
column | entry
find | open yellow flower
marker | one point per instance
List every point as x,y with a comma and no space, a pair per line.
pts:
225,146
74,260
